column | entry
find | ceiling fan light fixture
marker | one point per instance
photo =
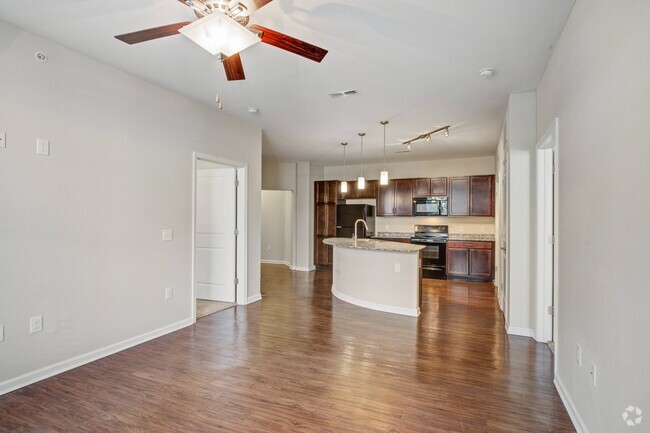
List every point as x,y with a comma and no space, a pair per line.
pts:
237,9
219,34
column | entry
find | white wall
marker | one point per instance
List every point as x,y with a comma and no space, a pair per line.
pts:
520,150
597,85
81,229
432,168
277,227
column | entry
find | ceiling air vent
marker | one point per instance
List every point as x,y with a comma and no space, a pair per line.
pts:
343,94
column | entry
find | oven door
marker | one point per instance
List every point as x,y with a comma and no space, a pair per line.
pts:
434,259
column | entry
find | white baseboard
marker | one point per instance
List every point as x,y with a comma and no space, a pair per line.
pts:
69,364
413,312
523,332
276,262
578,423
303,268
254,298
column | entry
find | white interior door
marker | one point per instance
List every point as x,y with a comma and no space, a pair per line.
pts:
215,255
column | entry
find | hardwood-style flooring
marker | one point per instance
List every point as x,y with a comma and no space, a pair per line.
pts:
303,361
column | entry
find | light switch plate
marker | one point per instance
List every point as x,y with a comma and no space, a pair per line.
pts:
169,293
2,333
3,139
167,235
42,147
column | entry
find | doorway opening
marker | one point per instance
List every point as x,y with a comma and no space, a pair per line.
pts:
547,236
219,248
278,226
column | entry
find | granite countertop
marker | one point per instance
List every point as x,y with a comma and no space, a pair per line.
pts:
452,236
374,245
471,237
393,235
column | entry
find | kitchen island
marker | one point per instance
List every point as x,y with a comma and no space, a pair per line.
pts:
379,275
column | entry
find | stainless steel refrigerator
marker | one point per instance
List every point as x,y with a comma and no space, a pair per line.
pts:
347,214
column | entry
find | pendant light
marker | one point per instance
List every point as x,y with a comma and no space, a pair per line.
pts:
383,176
344,184
361,181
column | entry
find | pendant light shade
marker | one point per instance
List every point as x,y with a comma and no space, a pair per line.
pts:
344,184
361,181
383,176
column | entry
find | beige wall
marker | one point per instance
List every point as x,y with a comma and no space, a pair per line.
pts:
597,85
81,229
277,227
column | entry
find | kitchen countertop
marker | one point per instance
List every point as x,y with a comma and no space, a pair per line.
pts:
452,236
374,245
470,237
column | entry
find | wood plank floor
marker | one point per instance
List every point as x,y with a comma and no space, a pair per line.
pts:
302,361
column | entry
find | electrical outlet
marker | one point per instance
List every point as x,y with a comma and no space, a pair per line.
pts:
592,373
268,247
3,139
35,324
2,333
169,293
578,355
43,147
398,267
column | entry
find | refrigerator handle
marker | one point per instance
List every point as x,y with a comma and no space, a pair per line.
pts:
339,227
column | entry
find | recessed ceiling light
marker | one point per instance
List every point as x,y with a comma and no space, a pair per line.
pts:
486,72
252,110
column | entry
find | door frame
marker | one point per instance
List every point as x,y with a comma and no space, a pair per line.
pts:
547,226
241,271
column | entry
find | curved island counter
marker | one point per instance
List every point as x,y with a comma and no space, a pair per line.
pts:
380,275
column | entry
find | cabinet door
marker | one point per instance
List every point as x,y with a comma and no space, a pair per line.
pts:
322,253
422,187
352,191
439,186
370,191
481,263
403,197
457,261
481,196
325,219
386,199
459,195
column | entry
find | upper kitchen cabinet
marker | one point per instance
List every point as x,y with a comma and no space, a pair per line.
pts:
425,187
396,198
370,191
481,195
471,196
326,191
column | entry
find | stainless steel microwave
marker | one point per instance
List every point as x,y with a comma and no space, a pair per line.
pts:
430,206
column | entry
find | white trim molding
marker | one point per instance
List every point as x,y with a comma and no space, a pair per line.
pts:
303,268
253,298
277,262
578,423
413,312
522,332
77,361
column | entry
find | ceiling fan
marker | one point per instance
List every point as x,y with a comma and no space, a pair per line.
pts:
223,30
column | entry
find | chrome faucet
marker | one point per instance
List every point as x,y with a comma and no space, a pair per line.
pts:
356,223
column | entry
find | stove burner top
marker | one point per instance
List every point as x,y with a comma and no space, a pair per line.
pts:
430,234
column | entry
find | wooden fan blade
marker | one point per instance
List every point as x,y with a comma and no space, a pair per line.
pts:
293,45
234,68
149,34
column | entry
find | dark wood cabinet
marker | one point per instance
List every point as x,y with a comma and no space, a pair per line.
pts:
459,196
421,187
424,187
396,198
325,196
439,186
471,196
370,191
471,260
481,195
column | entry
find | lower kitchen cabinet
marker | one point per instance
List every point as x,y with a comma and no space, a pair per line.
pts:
470,259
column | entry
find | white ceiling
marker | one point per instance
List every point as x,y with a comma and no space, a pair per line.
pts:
414,63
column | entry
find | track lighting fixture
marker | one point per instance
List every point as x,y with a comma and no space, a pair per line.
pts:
427,135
